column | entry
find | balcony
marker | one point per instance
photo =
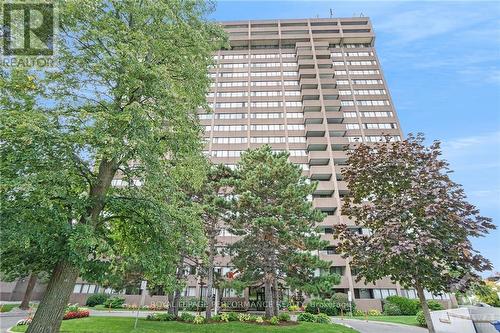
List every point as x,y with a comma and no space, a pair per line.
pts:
305,63
330,220
329,204
315,130
325,187
313,117
307,73
339,157
317,143
318,158
321,172
304,54
311,105
328,83
306,83
337,129
334,117
329,93
340,144
310,94
324,63
332,104
342,187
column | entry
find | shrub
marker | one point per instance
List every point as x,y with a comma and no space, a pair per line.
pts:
358,313
259,320
232,316
224,317
293,308
308,317
76,314
244,317
72,307
187,317
322,306
408,307
96,299
215,318
421,319
274,320
374,312
283,316
435,305
391,309
161,317
322,318
114,302
198,319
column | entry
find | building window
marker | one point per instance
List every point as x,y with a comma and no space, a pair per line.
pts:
337,270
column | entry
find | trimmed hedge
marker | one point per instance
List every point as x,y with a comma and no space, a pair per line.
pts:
435,305
407,306
114,302
96,299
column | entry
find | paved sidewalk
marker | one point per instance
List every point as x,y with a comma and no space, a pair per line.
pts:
9,319
364,326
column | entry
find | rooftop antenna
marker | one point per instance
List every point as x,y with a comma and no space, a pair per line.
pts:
331,12
361,15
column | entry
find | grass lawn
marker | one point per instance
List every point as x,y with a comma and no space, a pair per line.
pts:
124,325
407,320
8,307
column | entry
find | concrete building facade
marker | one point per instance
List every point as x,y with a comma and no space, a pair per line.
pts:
312,87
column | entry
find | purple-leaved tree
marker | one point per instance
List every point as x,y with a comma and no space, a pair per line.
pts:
419,219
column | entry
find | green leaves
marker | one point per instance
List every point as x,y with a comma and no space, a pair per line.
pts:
275,219
121,105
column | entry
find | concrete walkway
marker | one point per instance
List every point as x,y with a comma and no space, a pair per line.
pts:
364,326
9,319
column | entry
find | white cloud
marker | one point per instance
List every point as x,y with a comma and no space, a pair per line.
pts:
468,144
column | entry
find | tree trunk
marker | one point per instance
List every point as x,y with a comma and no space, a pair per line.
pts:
25,304
171,303
177,300
425,308
210,283
268,295
50,312
173,307
275,298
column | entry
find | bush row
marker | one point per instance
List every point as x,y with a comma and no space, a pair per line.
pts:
320,318
397,305
223,317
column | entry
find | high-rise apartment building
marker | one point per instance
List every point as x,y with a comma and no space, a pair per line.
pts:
312,87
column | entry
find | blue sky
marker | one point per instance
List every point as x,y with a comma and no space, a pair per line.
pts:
441,60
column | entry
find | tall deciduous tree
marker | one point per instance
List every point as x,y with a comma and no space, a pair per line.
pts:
419,220
121,103
276,222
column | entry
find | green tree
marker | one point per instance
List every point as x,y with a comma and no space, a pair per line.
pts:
19,92
276,222
487,292
121,104
419,220
214,209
